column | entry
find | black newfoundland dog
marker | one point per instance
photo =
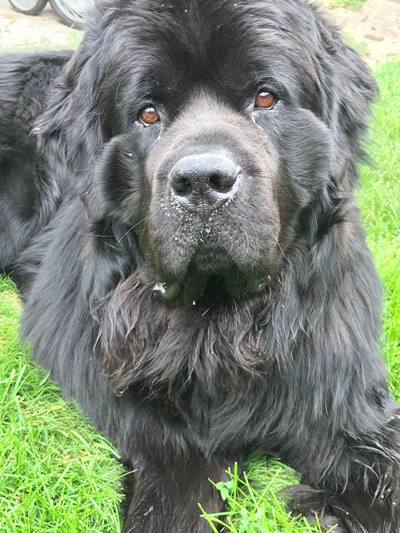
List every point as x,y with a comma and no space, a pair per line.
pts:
191,256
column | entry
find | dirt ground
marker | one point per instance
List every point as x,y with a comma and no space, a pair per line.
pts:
44,31
374,31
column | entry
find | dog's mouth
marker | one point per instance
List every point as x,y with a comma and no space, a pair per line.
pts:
212,273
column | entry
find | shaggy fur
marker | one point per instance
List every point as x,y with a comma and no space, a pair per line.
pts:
194,333
28,193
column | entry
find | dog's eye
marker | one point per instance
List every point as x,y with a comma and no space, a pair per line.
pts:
265,99
149,115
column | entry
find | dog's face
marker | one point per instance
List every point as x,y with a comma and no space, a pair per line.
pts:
215,127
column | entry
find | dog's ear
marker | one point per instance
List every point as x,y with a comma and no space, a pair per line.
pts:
70,132
347,90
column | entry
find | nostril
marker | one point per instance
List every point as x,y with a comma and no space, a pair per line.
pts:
221,183
202,182
182,186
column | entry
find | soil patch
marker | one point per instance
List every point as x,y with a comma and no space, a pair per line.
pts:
374,30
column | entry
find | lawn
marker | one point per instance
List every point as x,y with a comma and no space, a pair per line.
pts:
349,4
58,475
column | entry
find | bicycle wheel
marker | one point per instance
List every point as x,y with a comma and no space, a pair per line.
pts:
29,7
72,12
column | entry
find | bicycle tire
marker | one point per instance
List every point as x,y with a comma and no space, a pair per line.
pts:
70,17
28,8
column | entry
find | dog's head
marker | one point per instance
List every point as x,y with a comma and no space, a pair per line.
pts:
216,132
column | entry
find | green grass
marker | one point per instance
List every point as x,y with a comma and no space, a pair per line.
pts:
258,507
350,4
379,201
57,473
74,38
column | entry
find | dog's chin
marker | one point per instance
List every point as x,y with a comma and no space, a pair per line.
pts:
211,274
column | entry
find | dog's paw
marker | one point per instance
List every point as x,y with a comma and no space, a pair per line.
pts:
313,504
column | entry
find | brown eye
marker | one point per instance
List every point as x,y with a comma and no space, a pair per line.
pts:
149,115
265,99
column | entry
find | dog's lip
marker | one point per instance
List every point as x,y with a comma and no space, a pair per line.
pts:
196,284
211,272
168,291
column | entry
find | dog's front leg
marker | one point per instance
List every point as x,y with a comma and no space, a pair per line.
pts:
359,486
165,497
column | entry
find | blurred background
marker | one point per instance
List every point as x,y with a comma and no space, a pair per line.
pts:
370,26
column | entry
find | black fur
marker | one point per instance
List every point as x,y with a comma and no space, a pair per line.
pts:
28,193
192,341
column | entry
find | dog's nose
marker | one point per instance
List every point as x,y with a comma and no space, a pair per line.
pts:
205,181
